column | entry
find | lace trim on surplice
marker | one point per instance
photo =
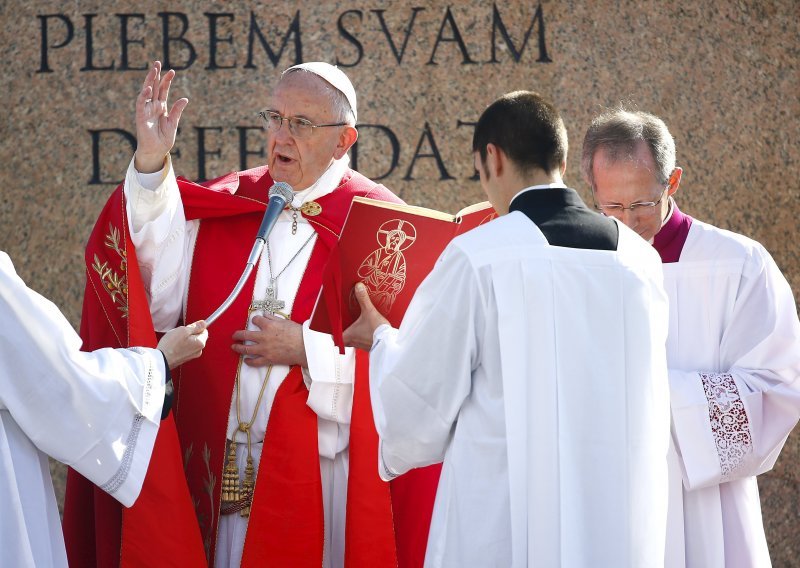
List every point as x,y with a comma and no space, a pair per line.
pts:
118,479
113,484
730,425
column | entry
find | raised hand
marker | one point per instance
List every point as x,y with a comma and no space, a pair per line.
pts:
184,343
156,123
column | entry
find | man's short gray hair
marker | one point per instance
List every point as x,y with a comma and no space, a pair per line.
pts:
342,112
619,131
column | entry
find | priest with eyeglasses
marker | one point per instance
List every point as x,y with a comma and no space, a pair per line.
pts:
276,432
733,348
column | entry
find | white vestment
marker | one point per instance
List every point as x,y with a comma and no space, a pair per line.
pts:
538,374
97,412
734,358
164,242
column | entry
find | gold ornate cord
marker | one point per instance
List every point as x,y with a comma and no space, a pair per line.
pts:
234,499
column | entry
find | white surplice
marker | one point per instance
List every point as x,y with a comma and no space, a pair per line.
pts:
538,375
164,242
97,412
734,358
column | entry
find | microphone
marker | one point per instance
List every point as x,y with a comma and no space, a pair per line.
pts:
279,194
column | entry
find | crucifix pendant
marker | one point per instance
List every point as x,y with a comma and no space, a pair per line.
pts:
271,304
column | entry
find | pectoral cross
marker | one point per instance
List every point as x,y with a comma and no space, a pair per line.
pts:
271,304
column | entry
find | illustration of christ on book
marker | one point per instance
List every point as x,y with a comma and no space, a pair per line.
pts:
384,271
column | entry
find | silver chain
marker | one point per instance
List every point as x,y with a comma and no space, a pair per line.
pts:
291,260
295,211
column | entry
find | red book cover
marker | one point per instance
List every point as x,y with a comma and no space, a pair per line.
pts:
391,248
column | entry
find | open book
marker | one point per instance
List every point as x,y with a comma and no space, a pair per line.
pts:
390,248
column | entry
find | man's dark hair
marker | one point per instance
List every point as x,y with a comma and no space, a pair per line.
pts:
527,128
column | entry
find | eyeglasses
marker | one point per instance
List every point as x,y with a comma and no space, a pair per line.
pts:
641,208
298,127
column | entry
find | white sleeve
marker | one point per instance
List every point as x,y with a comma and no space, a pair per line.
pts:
732,424
98,412
329,379
163,240
420,375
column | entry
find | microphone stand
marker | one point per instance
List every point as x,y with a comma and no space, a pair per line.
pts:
255,253
280,194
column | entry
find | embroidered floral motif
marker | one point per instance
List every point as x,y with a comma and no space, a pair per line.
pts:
729,422
187,455
211,482
115,284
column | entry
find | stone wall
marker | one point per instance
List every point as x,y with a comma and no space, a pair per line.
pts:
724,76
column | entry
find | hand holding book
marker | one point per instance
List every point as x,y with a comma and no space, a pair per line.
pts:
390,248
360,334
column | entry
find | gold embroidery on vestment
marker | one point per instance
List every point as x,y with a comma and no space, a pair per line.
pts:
114,284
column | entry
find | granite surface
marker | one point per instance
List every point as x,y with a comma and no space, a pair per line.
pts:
723,75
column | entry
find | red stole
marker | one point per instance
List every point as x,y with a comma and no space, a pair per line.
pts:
413,494
670,239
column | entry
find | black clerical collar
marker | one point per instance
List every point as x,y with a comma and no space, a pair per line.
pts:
555,185
564,219
547,197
